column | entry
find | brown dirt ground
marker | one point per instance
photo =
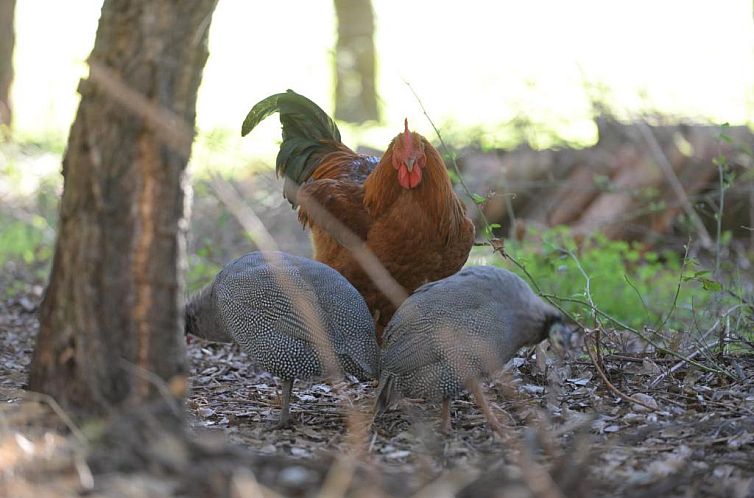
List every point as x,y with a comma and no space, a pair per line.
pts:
700,441
560,416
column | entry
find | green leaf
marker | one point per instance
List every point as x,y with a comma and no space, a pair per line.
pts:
489,228
478,199
711,285
708,284
720,160
699,275
723,135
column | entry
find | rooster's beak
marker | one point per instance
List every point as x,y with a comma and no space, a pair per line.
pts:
410,164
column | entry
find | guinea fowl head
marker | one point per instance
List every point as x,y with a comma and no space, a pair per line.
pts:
564,337
201,318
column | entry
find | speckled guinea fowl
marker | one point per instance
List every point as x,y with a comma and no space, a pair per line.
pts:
296,317
452,332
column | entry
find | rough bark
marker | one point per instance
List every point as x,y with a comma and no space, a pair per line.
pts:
355,90
111,319
7,42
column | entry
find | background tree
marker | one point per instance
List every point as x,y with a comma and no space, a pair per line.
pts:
7,41
111,318
355,88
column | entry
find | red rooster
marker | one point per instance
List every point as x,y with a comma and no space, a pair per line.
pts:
402,204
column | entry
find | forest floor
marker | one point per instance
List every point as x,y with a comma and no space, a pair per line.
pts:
561,417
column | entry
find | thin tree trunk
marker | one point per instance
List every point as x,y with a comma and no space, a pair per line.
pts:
355,90
111,319
7,42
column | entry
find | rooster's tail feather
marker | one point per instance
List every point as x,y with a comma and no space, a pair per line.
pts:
308,133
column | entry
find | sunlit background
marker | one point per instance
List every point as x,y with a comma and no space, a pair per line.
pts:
476,66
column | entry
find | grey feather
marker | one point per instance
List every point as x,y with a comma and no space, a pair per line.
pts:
463,327
294,316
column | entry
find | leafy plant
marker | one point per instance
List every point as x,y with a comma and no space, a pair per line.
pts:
27,240
627,281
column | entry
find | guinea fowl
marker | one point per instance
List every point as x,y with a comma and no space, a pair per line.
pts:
296,317
452,332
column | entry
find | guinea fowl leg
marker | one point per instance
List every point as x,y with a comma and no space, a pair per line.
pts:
445,417
481,400
285,414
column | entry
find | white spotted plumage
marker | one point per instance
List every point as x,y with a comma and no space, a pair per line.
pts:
291,315
462,327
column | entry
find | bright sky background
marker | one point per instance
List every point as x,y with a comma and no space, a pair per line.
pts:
475,64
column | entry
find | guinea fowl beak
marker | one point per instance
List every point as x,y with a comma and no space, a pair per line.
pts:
410,164
564,338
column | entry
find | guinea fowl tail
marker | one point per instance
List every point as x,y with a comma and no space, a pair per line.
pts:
308,134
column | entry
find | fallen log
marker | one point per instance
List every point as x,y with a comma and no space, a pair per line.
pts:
638,182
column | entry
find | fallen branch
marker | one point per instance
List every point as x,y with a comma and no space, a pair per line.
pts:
610,385
643,336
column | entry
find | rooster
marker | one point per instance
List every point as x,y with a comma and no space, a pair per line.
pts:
402,205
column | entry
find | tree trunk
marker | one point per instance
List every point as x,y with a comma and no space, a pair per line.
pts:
355,90
7,41
111,329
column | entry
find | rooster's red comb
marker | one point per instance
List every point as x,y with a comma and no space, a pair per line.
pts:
408,139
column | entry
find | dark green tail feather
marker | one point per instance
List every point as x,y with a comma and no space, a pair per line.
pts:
308,132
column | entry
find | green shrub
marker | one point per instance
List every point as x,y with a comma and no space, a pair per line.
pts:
28,241
626,281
